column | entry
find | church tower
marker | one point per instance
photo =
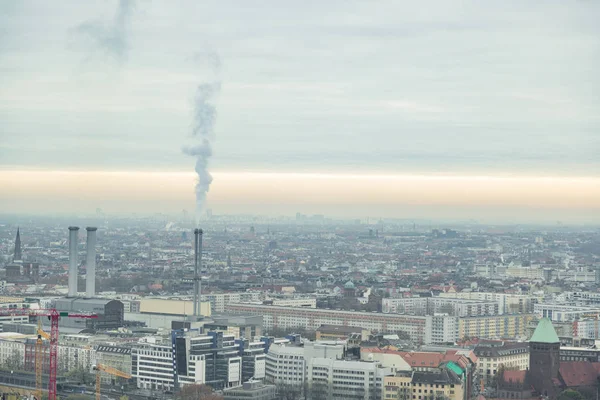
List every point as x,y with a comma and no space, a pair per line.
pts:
544,358
18,256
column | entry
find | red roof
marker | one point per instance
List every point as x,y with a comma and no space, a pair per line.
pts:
514,376
579,373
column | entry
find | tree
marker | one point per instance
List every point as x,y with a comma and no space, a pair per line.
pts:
570,394
289,391
197,392
318,391
81,376
15,361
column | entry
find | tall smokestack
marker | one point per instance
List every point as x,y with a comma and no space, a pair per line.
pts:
90,262
73,264
199,286
196,236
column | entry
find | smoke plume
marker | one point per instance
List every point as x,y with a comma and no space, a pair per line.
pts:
205,114
110,38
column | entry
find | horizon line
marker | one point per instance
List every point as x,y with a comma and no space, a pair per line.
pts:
316,174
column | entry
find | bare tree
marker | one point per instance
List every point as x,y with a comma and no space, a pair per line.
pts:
289,391
318,391
15,361
197,392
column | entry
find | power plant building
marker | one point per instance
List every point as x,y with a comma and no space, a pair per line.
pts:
110,313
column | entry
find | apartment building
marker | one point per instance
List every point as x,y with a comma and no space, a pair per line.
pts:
565,312
436,305
311,319
218,301
495,327
508,303
492,355
441,329
305,302
343,379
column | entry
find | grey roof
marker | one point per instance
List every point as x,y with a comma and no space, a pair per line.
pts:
84,305
113,349
442,377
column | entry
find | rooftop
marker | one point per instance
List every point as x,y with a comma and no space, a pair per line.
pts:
544,332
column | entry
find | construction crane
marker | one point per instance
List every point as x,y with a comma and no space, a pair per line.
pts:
53,315
100,368
39,358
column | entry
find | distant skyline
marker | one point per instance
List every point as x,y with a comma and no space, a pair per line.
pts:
488,199
346,88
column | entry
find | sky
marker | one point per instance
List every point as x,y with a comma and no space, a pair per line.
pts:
346,91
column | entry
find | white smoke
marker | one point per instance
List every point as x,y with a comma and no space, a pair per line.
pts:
111,38
205,115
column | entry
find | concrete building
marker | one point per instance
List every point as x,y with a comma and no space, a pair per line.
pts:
560,312
289,364
342,379
218,301
336,332
293,302
110,313
438,305
441,329
311,319
239,326
13,302
495,327
254,390
508,303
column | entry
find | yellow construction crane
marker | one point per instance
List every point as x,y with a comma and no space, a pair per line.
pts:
39,358
109,370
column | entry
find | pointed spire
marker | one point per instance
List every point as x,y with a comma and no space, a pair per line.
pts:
17,255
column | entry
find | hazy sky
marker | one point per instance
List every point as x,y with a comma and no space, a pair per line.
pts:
357,87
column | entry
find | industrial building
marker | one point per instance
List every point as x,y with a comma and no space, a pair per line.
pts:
110,313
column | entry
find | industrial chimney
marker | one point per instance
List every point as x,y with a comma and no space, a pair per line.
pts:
73,264
90,262
197,260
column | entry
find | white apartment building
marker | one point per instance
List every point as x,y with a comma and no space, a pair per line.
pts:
587,328
218,301
313,318
441,329
564,312
583,297
287,363
508,303
341,379
446,305
295,302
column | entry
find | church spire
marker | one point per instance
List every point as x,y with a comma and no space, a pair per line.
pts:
18,256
